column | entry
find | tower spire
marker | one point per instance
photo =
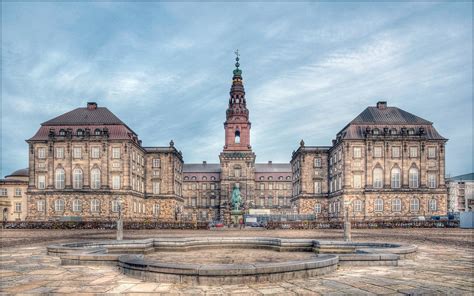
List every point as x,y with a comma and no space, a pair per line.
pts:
237,125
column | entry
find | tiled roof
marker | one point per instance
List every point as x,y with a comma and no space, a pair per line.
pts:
85,116
465,177
116,132
201,168
19,173
387,115
272,168
353,132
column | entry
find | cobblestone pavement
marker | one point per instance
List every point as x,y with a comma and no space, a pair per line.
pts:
444,265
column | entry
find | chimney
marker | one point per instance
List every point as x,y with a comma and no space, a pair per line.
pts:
204,162
91,105
269,162
381,104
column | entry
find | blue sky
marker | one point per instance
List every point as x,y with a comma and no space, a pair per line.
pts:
165,69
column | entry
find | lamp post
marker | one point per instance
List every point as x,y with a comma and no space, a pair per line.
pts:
347,222
119,221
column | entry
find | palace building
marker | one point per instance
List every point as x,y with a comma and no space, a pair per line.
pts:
385,164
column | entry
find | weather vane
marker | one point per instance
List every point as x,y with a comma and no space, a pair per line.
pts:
237,53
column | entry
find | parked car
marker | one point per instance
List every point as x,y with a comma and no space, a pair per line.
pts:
253,224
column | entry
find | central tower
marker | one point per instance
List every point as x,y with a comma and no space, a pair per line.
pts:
237,124
237,159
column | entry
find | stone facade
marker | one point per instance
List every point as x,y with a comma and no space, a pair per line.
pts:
461,193
385,164
89,165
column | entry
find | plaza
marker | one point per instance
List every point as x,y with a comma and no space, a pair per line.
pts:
442,265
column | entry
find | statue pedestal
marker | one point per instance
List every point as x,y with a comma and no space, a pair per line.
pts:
236,216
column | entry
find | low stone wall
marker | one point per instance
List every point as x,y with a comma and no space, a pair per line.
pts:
102,225
362,224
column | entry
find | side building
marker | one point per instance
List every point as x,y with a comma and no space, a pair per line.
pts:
13,202
88,165
385,164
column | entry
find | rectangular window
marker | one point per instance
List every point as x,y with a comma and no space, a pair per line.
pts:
378,151
156,173
378,207
317,162
431,152
317,187
60,152
115,164
156,187
40,205
18,207
395,152
270,186
3,191
413,152
262,186
116,182
116,152
41,182
76,205
77,152
115,206
95,152
357,152
431,180
193,202
17,191
357,181
156,162
396,205
42,153
262,202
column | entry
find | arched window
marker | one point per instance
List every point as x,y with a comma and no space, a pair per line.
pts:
213,178
357,205
95,178
95,205
76,205
270,178
413,178
77,178
288,177
378,205
395,179
237,137
204,178
59,205
280,178
186,178
317,208
97,132
59,179
396,205
193,178
62,132
433,205
414,205
376,131
378,178
80,132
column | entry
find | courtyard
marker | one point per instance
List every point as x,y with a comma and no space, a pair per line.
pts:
444,264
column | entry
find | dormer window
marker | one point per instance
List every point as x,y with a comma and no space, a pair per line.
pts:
237,137
411,132
393,131
80,132
376,131
62,132
97,132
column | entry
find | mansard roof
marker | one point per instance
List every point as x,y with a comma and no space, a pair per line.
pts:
86,116
387,115
272,168
201,168
465,177
393,118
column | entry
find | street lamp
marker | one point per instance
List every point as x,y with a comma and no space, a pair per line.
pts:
119,221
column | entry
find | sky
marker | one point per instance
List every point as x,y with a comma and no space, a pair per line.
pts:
165,69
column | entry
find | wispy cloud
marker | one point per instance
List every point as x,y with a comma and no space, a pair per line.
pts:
309,68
